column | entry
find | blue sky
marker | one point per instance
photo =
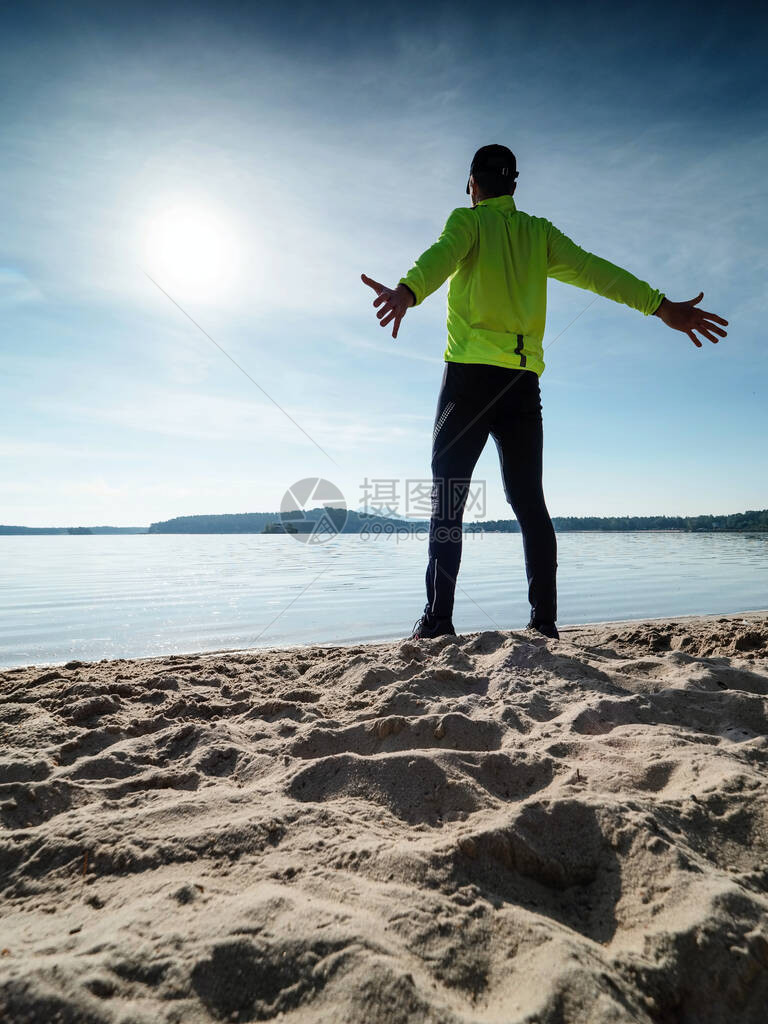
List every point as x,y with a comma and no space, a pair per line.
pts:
308,146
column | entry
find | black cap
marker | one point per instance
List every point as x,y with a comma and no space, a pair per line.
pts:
496,160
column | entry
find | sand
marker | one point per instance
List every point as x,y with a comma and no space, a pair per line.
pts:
494,827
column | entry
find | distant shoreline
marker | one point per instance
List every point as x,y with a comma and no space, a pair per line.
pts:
415,529
332,520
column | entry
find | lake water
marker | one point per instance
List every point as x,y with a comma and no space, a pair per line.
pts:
92,597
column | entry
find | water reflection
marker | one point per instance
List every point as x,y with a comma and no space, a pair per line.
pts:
93,597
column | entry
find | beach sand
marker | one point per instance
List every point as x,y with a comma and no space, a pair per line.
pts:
494,827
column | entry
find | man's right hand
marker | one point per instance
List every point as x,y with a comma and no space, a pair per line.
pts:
396,302
684,316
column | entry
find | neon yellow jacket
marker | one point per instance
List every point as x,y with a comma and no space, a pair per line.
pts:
499,259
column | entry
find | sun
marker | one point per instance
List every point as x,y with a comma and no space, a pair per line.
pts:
192,248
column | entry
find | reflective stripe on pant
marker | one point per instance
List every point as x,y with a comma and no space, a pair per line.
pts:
476,401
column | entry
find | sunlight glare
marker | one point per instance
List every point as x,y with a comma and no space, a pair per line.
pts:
193,250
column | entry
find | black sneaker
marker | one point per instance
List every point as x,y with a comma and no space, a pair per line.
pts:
545,628
428,627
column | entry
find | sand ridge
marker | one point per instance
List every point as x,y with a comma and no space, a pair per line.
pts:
489,828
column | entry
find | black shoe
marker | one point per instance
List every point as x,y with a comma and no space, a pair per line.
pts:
545,628
428,627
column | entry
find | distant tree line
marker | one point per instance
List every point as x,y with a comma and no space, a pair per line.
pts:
335,520
37,531
321,519
740,522
357,522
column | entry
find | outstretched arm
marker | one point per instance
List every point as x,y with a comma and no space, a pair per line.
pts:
568,262
684,316
429,271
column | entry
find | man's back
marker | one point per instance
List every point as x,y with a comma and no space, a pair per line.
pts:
499,259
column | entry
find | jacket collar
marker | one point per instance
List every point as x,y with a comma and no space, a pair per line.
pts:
499,202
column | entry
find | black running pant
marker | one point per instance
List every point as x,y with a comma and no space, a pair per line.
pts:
477,400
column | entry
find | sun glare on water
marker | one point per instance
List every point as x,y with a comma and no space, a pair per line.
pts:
192,250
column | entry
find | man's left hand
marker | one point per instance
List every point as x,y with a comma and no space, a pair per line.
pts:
394,302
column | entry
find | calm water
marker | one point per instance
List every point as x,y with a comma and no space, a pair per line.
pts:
91,597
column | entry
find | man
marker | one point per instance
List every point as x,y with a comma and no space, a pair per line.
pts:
499,259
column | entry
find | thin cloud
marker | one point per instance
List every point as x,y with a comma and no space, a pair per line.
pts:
16,289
